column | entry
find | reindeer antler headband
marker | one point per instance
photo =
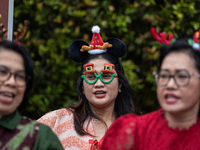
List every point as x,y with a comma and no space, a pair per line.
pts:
79,50
3,32
195,42
18,35
162,37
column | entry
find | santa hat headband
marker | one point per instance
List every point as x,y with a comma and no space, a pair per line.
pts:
79,50
164,40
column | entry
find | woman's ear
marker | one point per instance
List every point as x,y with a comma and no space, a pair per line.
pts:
119,89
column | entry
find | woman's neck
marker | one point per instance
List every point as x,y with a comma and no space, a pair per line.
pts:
106,114
181,121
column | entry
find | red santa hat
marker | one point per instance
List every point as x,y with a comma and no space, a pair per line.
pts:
96,38
96,41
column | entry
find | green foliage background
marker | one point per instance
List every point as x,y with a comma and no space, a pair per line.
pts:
54,24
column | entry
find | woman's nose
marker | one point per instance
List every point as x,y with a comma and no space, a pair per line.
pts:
99,83
10,80
171,82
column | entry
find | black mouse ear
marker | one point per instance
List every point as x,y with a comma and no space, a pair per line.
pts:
74,50
118,48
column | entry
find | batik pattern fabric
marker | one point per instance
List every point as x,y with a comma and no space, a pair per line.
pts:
22,133
62,123
150,132
22,137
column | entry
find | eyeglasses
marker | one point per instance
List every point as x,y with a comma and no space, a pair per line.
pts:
181,78
20,77
92,78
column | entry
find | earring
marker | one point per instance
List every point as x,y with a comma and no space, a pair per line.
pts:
119,90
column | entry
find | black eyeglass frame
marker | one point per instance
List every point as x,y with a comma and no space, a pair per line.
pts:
27,78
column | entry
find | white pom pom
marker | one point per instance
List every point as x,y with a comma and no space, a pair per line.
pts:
196,46
95,29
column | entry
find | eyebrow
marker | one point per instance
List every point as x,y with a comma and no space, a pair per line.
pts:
177,70
22,70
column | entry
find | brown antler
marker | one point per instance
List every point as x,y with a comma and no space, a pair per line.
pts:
21,32
86,48
105,45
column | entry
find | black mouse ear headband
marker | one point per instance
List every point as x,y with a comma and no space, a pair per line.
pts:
79,50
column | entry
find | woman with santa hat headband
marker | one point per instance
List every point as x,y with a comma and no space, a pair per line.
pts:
104,94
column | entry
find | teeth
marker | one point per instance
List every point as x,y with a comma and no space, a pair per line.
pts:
8,94
171,97
4,97
99,92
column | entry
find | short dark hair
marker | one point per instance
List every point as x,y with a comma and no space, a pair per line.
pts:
28,65
181,46
124,103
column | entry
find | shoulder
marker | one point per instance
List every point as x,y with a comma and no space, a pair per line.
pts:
56,116
44,133
151,117
124,119
121,123
125,128
128,119
121,133
152,114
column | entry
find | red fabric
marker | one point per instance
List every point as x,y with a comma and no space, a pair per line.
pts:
95,145
150,132
96,40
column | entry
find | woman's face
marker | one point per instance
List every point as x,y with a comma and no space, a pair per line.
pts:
11,95
179,100
99,94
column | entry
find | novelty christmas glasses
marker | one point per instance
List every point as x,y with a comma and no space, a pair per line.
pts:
106,76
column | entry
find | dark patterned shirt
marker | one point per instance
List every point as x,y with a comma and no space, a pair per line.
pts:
21,133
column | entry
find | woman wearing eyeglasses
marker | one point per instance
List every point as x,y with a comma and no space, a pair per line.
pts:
176,126
104,94
16,81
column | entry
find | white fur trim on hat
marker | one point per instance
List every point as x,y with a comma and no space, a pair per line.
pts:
97,51
96,29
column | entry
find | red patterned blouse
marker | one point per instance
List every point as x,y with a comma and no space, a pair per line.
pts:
150,132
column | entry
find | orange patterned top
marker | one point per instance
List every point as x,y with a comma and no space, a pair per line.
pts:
62,123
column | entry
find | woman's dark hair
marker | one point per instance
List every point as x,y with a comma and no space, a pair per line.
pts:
124,102
28,65
181,46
